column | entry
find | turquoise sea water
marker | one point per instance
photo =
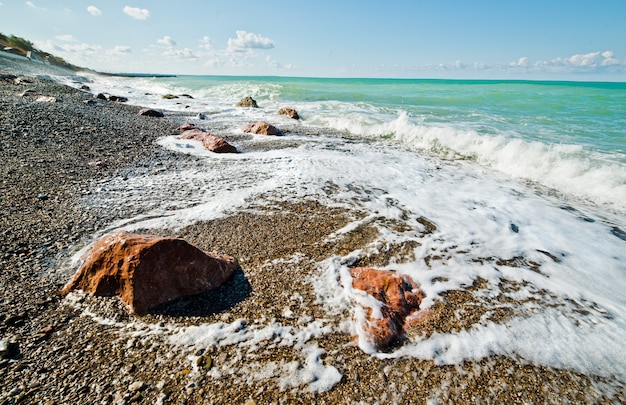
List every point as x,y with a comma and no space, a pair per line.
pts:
567,136
578,113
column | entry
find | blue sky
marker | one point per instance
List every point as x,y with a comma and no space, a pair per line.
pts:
543,39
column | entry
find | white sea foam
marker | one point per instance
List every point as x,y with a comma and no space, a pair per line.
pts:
570,169
573,306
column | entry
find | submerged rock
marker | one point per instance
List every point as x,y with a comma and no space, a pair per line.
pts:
399,296
247,102
146,270
261,128
290,112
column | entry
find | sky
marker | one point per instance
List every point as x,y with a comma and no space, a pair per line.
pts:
482,39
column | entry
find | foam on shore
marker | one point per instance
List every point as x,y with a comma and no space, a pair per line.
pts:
574,304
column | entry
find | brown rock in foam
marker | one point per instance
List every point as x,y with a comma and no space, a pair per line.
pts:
146,270
247,102
217,144
261,128
400,297
211,142
290,112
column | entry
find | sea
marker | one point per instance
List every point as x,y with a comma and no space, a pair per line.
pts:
524,183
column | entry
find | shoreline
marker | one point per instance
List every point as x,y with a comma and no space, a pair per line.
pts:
157,75
85,358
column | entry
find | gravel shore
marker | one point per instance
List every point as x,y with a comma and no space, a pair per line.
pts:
85,349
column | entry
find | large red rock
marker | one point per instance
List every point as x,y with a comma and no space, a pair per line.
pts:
399,296
146,270
261,128
211,142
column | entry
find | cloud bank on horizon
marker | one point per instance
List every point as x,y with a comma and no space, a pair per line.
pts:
152,40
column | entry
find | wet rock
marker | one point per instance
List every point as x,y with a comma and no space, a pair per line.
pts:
170,96
187,126
9,349
204,362
101,96
146,270
31,93
261,128
211,142
619,233
149,112
119,99
216,144
16,319
201,116
247,102
22,80
399,296
8,77
290,112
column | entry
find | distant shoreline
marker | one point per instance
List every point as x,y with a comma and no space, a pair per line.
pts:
136,74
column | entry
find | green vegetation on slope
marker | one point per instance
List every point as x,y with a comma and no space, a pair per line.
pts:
21,46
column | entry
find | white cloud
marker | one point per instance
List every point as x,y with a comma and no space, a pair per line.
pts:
585,62
587,59
137,13
248,40
34,6
93,10
82,49
206,43
521,62
609,59
167,41
179,54
66,38
277,65
119,50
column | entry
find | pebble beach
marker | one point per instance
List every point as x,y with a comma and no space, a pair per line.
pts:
89,350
